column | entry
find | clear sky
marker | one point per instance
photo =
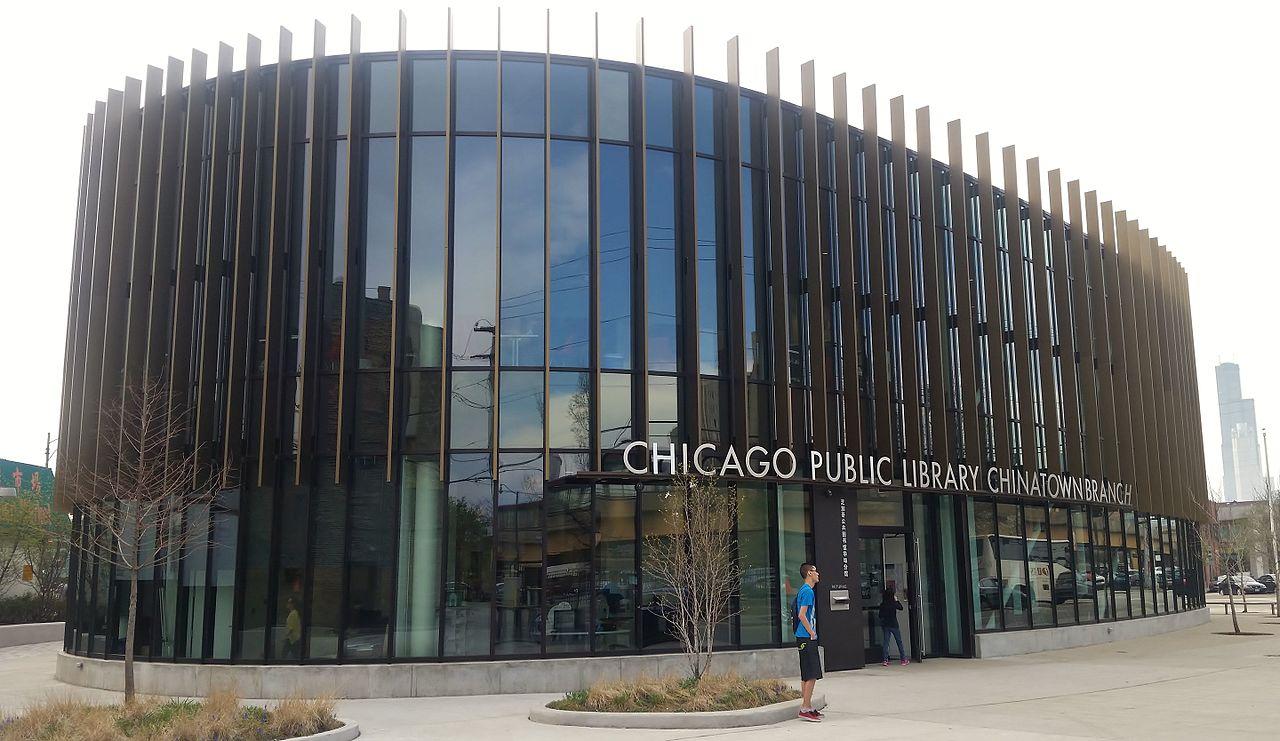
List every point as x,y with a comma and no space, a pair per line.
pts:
1167,109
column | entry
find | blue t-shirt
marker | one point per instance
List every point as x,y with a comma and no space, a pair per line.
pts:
805,599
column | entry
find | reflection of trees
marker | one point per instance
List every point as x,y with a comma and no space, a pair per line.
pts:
580,411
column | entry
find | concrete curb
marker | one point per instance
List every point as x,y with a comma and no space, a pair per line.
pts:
762,716
347,731
25,634
446,678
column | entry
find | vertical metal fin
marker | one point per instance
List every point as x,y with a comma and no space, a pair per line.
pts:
237,375
997,377
912,434
935,313
1044,336
777,255
815,247
851,354
1019,291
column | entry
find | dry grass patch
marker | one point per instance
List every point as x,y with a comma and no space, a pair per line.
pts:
221,717
678,695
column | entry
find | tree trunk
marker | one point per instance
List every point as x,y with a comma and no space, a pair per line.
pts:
1235,623
129,631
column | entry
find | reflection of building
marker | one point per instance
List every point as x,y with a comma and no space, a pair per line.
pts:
1242,536
1241,464
455,338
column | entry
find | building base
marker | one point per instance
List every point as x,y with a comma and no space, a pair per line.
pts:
1016,642
359,681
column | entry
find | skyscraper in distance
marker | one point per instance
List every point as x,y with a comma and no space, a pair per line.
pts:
1241,466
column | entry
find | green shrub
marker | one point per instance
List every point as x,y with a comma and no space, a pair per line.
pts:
678,695
27,608
219,717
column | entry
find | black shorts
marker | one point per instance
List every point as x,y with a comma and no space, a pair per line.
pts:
810,661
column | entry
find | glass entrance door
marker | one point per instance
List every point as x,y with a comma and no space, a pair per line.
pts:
884,565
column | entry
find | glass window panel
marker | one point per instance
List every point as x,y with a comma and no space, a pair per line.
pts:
471,409
1014,590
330,519
657,611
518,587
712,317
327,413
468,584
708,118
569,116
615,257
664,393
1101,563
751,131
759,413
474,235
523,252
1043,585
423,318
522,405
1134,564
614,90
984,565
226,528
523,97
1150,593
615,563
1119,575
475,106
421,392
258,504
334,261
755,274
615,410
660,254
1086,586
880,508
372,398
561,464
659,111
569,410
383,101
569,258
418,575
291,569
430,87
369,560
379,253
714,403
757,620
795,542
570,540
339,115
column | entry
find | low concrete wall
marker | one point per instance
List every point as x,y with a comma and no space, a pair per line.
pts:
27,633
355,681
1013,643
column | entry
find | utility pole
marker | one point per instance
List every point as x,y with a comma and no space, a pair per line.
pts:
1271,514
48,445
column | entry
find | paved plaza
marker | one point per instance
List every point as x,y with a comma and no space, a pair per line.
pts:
1189,684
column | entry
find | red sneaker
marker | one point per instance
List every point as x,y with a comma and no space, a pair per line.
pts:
906,661
810,715
818,713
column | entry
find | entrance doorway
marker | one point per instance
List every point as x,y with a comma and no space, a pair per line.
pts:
884,564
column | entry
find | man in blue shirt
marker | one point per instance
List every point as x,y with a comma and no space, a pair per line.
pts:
806,625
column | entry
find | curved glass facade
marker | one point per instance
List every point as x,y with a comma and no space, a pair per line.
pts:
421,303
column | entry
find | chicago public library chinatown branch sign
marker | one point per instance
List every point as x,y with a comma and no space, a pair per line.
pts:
639,457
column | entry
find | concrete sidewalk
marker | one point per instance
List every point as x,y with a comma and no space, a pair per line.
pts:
1190,684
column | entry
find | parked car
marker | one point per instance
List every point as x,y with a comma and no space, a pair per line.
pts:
1249,584
1268,581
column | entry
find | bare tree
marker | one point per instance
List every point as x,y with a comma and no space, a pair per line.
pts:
1223,550
693,556
133,496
